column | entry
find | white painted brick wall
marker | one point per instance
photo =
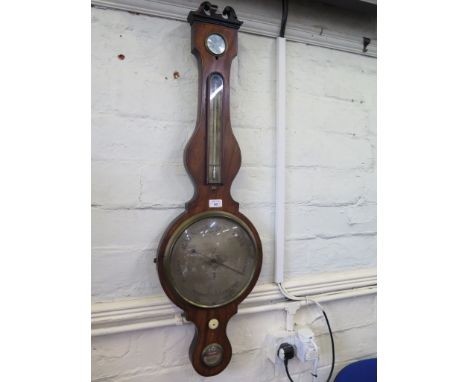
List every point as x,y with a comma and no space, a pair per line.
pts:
161,355
142,118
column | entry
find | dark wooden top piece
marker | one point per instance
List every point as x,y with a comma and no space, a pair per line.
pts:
207,13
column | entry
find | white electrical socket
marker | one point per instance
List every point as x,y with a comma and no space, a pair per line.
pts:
306,349
273,342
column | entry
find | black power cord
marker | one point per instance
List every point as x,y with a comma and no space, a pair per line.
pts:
284,17
286,352
332,346
287,371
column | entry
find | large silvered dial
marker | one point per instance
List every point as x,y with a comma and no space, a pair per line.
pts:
212,259
216,44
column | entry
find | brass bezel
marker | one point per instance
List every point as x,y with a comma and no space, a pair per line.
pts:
186,224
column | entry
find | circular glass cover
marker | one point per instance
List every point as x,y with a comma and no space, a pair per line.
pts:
216,44
212,260
212,355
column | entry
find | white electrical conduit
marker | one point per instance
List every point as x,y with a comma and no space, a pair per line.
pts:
280,195
281,168
280,157
281,165
178,319
280,198
281,181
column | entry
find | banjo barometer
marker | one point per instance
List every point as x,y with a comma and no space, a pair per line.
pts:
210,256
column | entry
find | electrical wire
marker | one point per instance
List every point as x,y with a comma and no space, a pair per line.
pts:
332,346
284,17
287,370
309,299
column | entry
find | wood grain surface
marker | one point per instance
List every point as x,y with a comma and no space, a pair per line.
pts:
195,163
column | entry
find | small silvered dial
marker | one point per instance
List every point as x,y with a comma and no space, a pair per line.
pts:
216,44
212,355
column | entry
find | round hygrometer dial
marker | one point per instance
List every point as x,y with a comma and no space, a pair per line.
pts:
216,44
